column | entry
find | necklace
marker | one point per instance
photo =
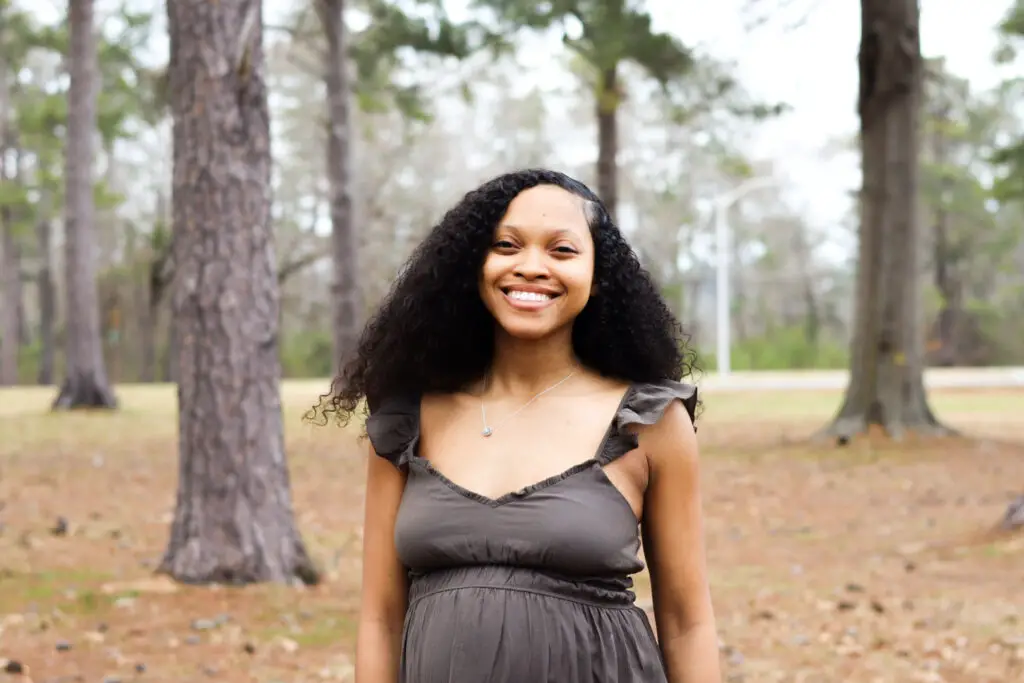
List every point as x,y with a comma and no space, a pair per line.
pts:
488,430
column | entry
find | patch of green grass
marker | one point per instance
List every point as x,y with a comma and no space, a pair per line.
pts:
1003,548
319,632
767,406
813,404
90,602
51,587
146,412
859,455
27,409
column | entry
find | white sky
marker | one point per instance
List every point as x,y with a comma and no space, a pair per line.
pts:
806,56
813,68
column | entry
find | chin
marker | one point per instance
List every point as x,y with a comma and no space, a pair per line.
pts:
527,334
528,330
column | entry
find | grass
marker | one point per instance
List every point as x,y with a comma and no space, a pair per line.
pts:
871,563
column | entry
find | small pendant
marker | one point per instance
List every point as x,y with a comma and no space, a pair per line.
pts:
487,431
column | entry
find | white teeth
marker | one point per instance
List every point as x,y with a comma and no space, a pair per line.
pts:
528,296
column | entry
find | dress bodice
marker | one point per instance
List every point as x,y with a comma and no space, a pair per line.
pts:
575,525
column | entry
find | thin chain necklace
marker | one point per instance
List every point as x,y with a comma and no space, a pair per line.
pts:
488,429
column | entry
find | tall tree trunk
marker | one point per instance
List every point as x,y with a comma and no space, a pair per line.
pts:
170,362
85,375
9,261
812,316
18,297
887,353
147,339
812,309
158,278
233,521
47,294
947,279
608,138
345,288
149,318
24,334
10,290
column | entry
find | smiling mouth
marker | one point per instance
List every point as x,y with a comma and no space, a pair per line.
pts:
528,299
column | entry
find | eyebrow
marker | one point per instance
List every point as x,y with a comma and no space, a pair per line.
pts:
557,232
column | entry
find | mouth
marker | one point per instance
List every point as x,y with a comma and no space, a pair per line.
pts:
529,298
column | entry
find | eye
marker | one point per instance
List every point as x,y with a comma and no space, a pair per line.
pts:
503,245
566,249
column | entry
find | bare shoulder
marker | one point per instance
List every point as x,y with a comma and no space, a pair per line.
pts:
671,440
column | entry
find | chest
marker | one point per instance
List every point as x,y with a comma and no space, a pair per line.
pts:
542,442
575,524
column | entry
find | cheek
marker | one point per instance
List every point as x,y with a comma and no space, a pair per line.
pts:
580,285
488,272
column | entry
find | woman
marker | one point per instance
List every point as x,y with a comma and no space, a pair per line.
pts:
526,423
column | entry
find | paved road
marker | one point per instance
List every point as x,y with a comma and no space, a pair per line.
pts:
935,378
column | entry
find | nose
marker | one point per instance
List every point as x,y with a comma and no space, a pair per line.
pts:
532,264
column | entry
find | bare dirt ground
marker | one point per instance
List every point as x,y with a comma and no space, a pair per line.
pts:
868,563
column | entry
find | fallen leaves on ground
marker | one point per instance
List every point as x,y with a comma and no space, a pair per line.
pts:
871,563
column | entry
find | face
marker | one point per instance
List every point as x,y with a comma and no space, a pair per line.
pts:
539,272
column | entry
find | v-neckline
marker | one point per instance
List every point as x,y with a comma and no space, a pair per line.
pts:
519,494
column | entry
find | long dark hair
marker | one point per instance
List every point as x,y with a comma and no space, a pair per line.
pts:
432,332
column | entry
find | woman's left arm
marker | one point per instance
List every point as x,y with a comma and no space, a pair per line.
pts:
673,538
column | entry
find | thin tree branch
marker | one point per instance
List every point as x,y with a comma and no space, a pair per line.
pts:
293,267
762,15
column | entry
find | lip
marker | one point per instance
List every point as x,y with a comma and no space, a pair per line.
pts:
522,305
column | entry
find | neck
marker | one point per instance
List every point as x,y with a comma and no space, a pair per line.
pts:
524,368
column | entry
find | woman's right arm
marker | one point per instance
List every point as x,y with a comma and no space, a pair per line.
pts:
385,587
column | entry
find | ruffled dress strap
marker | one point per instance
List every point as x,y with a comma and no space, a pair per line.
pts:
644,404
394,429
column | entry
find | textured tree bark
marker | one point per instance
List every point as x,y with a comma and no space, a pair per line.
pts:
9,293
9,260
608,139
233,521
947,279
887,352
1013,519
345,287
47,294
86,384
148,321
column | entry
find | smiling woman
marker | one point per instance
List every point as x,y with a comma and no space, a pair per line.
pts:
529,427
539,273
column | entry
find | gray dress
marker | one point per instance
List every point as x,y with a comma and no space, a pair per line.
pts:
531,587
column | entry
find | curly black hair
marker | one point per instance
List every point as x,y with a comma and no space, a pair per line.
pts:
432,332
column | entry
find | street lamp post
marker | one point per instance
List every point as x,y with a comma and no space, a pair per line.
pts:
723,251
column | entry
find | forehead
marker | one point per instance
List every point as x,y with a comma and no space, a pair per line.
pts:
547,208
